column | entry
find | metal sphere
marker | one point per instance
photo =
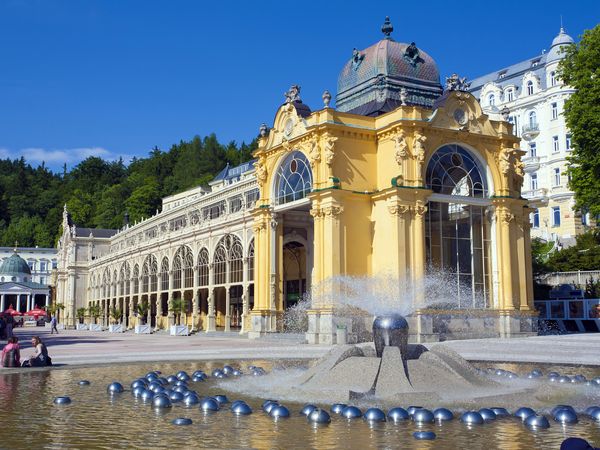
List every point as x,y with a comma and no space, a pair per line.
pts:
217,373
176,397
564,379
147,395
172,379
137,391
209,404
139,383
84,383
596,381
537,372
162,380
181,383
161,401
251,367
191,399
524,412
578,379
151,375
511,375
188,392
241,408
258,372
198,379
553,374
487,414
500,412
423,416
155,385
337,408
222,399
557,408
424,435
307,409
182,421
536,421
590,409
279,411
181,389
398,414
181,374
411,409
471,418
198,373
228,370
64,400
319,416
500,372
595,414
351,412
115,388
565,416
374,415
443,414
237,373
267,407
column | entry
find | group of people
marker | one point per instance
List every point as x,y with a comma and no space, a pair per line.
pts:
11,354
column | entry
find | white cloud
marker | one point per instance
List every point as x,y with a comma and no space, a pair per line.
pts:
58,157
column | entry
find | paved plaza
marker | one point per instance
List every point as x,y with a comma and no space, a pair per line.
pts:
84,347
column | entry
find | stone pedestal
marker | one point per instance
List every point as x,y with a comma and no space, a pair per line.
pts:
262,323
211,323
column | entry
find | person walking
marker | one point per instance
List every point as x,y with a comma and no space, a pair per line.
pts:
53,325
9,326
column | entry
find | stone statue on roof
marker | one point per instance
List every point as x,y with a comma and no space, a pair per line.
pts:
456,83
293,94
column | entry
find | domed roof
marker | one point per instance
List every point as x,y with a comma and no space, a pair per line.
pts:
14,265
371,81
558,42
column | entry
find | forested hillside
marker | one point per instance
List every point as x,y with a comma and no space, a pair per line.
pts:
98,192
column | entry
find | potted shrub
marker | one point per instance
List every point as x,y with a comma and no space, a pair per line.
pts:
81,316
141,327
115,327
95,311
178,308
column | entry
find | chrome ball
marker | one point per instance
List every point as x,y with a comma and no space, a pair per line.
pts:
228,370
397,414
218,373
222,399
351,412
390,330
500,412
84,383
258,372
596,381
181,383
337,408
64,400
172,379
578,379
487,414
176,397
557,408
553,375
147,395
137,391
524,412
565,416
590,410
180,389
595,414
198,379
268,406
537,373
279,411
500,372
307,409
443,414
139,383
115,388
536,421
319,416
161,401
471,418
155,386
423,416
191,399
182,421
151,375
424,435
241,408
374,415
209,404
237,373
162,380
511,375
181,374
564,379
411,409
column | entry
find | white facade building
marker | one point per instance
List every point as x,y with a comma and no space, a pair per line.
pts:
41,261
532,96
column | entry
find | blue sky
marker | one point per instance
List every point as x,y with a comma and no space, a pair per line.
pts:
115,78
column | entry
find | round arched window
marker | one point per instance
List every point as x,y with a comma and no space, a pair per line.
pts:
293,180
452,170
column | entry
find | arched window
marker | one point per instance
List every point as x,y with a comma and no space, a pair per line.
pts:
114,283
146,276
183,268
452,170
236,265
251,261
177,264
510,94
530,87
136,279
553,78
203,269
164,274
127,277
458,228
153,274
532,119
492,100
220,264
293,180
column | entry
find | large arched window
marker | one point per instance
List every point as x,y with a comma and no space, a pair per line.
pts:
530,87
293,180
203,269
457,226
452,170
136,279
492,100
532,120
164,274
251,261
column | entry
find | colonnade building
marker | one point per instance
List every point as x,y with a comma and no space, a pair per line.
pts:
404,177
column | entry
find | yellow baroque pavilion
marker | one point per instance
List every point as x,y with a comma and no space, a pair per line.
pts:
403,177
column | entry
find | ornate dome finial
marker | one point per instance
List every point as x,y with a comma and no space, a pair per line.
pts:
387,27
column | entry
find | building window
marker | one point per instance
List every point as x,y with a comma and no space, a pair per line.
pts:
568,142
533,149
553,79
235,204
293,179
43,266
584,218
535,219
530,87
251,198
491,100
31,265
43,279
554,111
510,95
515,121
534,181
556,216
557,177
555,145
532,120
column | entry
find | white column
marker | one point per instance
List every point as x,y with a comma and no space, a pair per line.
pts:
195,300
47,300
210,318
227,308
2,308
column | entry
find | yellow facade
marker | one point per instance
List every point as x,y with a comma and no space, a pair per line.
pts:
369,197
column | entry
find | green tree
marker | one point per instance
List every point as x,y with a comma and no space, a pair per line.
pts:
584,255
580,69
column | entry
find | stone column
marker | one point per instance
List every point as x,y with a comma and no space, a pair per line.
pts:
418,245
195,302
245,299
170,315
227,308
211,325
47,301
